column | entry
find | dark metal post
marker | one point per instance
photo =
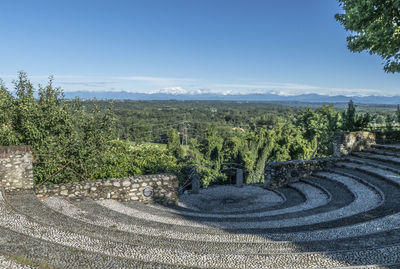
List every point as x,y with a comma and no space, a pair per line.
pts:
195,184
239,178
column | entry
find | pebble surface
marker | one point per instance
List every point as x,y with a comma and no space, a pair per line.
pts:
383,224
366,199
227,199
314,198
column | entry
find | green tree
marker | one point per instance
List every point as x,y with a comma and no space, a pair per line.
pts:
398,114
174,144
92,132
352,121
291,144
8,136
325,147
374,27
260,154
349,117
314,126
125,158
363,121
389,123
60,134
27,119
212,144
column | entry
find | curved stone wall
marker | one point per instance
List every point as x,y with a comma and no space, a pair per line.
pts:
279,174
158,188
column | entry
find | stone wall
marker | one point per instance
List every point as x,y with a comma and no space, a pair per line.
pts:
16,168
279,174
345,143
158,188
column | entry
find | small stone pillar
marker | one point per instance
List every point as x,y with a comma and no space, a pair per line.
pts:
338,141
195,184
347,142
239,178
16,171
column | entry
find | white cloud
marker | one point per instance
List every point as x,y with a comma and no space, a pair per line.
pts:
171,90
294,89
176,85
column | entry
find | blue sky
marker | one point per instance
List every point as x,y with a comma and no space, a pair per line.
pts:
285,46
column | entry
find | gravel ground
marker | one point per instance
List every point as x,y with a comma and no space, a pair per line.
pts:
354,230
366,199
382,152
388,175
311,260
22,225
227,199
314,198
388,147
378,225
390,159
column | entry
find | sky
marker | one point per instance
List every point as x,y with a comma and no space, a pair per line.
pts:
227,46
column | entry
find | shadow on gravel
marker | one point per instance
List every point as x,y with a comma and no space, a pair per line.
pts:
330,241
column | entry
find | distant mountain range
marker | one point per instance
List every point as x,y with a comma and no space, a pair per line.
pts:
261,97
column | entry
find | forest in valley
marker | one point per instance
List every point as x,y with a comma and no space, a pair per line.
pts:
75,139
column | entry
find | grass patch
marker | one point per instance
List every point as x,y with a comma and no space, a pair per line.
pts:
27,261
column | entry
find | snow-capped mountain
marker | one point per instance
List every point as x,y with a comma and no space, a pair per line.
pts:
182,94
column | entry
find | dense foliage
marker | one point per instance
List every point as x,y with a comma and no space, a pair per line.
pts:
375,27
59,133
76,140
352,121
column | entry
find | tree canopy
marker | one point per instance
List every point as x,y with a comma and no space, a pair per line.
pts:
374,27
